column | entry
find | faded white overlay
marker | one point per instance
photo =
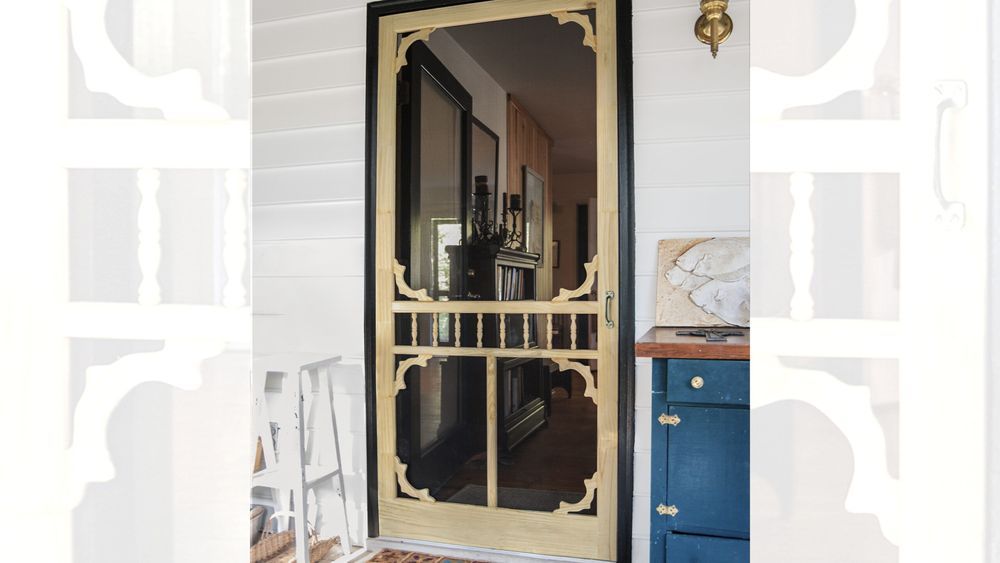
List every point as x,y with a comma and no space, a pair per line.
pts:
125,287
125,294
869,235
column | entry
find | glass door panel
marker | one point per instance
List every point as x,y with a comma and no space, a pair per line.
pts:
441,428
548,449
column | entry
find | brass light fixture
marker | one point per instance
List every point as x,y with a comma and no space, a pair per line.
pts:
714,26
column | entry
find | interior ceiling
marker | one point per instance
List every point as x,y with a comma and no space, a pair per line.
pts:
549,70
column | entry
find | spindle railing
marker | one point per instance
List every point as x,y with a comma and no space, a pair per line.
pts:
414,354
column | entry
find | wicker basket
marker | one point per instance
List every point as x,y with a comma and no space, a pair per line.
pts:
321,549
272,545
280,547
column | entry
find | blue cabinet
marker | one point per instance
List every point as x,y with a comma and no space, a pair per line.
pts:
699,549
700,503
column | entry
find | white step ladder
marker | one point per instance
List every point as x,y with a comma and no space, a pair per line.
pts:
293,392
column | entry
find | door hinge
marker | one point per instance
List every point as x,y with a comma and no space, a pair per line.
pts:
671,419
664,510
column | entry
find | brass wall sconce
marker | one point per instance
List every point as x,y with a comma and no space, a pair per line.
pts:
714,26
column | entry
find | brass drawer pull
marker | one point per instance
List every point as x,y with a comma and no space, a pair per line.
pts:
663,510
697,382
671,419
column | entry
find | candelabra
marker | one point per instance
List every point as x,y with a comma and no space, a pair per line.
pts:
487,231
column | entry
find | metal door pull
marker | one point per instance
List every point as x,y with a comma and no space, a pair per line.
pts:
951,94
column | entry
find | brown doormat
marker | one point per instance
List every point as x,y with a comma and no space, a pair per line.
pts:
396,556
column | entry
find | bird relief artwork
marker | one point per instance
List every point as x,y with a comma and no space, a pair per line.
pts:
703,282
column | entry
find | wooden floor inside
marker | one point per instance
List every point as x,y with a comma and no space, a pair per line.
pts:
556,457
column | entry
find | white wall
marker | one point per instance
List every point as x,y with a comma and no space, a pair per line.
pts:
308,199
692,161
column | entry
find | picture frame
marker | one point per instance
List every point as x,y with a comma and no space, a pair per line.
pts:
534,212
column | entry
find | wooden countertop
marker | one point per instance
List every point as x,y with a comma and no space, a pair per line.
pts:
661,342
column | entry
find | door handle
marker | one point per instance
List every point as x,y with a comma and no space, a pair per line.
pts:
950,94
608,296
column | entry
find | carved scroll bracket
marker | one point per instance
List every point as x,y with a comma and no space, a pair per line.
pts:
403,367
406,487
404,45
419,294
584,370
588,283
564,17
585,502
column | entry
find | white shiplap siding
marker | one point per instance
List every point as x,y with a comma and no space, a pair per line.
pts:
692,160
308,199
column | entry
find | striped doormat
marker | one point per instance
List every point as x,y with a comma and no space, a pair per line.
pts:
396,556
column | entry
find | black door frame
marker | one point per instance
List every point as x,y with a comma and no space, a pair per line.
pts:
626,256
992,398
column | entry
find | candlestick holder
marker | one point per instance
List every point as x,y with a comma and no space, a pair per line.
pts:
485,231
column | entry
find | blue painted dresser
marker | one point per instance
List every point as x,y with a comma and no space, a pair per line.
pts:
700,463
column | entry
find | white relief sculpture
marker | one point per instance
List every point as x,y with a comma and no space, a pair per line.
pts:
716,273
178,94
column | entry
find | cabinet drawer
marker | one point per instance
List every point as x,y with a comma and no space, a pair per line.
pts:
722,382
704,549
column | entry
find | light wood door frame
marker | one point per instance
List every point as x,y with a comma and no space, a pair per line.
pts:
594,537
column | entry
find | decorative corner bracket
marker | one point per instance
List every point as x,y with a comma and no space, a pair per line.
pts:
584,370
406,487
404,45
585,502
420,360
419,294
588,283
583,21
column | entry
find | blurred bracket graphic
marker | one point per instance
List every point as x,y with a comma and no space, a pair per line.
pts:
850,68
178,364
178,94
788,146
872,490
196,135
